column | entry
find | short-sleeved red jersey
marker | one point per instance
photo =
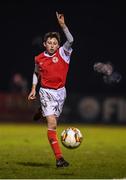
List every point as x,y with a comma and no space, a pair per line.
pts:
53,69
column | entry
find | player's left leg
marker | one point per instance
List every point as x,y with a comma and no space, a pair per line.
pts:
38,115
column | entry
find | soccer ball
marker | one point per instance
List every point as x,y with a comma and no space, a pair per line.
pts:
71,137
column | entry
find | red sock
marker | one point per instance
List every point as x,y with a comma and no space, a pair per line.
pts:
52,136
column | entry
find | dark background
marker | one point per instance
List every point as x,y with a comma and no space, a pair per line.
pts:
98,28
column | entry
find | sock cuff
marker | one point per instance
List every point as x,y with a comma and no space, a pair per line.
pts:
52,130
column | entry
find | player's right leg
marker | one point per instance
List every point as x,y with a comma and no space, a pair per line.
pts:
53,139
61,163
51,109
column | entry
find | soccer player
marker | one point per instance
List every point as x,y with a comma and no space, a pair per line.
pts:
51,67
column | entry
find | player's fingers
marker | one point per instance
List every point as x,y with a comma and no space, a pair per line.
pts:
61,15
57,14
31,97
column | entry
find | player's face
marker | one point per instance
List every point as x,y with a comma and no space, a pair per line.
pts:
51,45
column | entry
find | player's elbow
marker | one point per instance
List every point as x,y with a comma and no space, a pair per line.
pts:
71,40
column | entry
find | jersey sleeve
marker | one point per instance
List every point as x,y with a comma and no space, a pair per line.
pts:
65,53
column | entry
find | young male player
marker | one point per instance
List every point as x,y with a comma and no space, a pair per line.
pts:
51,67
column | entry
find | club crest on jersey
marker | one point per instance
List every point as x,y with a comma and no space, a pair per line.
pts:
55,59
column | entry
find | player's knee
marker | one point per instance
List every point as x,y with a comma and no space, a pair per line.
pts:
52,125
52,122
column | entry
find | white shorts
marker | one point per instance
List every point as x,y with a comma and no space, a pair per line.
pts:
52,101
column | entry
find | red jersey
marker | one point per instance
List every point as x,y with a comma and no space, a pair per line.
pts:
53,69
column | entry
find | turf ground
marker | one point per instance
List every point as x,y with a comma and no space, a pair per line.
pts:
25,153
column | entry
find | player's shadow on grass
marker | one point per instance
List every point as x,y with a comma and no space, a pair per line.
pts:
33,164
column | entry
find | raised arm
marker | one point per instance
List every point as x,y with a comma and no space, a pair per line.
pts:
68,43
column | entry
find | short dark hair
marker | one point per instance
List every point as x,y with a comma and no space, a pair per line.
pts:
52,35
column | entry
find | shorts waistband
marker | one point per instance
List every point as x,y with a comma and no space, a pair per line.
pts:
59,89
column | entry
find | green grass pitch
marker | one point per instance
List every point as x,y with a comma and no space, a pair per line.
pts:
25,153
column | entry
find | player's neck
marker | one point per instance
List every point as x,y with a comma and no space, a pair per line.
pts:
49,54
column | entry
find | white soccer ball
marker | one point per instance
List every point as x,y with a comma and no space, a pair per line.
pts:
71,137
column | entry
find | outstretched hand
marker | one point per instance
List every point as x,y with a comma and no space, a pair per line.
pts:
60,18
